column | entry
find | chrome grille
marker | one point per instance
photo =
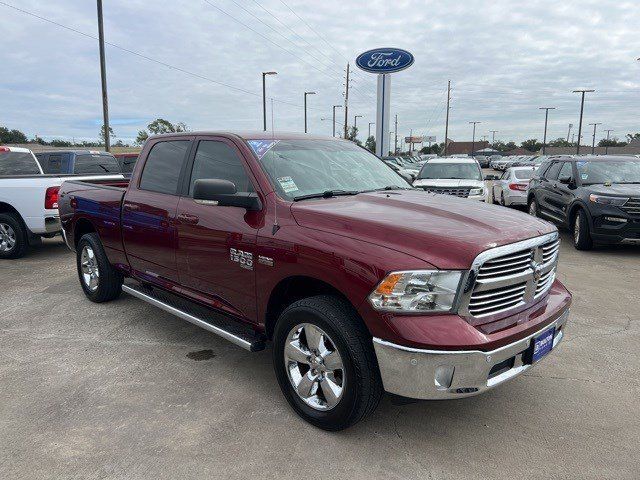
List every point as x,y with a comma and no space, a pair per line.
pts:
455,191
632,207
511,276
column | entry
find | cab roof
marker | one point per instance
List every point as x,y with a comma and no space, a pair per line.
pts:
252,135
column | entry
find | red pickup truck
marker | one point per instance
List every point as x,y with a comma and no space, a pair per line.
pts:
362,283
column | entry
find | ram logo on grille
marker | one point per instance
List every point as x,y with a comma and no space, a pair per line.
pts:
511,276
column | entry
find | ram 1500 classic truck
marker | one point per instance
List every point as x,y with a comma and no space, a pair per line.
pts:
28,201
362,283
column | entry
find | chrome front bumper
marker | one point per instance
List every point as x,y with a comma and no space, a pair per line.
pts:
440,374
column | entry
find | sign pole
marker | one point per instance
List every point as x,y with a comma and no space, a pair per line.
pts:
383,114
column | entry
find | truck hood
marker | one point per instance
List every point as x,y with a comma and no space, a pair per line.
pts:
447,232
448,182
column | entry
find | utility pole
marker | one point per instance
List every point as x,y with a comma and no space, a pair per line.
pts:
582,91
593,142
346,103
473,141
355,120
493,138
103,75
446,125
606,148
370,123
569,132
305,109
390,133
546,119
395,148
264,99
334,118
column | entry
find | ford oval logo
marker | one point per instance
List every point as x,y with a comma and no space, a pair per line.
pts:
384,60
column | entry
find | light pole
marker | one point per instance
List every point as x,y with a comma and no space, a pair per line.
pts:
390,134
370,123
593,142
546,119
264,99
569,131
305,109
355,121
582,91
103,77
473,140
493,138
606,148
334,118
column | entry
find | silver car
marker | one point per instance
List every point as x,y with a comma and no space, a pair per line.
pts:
511,187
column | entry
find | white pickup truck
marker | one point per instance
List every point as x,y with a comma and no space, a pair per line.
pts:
29,200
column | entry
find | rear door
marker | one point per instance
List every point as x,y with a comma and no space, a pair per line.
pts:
217,245
547,192
149,210
560,195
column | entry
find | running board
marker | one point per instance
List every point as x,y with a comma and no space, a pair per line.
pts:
198,315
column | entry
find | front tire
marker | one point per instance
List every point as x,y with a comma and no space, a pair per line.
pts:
99,280
14,239
581,235
325,363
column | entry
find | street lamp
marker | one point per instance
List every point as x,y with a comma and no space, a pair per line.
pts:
593,142
606,148
370,123
305,109
473,140
355,120
546,118
582,91
334,118
264,99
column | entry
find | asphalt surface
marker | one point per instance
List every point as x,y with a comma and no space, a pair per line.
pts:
124,390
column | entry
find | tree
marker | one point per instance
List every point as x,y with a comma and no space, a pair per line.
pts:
612,142
12,136
353,135
160,126
559,142
633,136
434,148
533,145
370,144
504,147
102,137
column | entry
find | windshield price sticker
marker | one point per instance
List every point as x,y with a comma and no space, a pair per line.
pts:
261,147
287,184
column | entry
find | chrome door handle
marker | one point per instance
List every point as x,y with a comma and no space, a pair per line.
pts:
190,219
130,207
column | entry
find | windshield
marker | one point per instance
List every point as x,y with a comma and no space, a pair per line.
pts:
299,168
18,163
523,174
466,171
609,172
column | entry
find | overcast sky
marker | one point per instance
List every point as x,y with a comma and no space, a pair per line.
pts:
504,59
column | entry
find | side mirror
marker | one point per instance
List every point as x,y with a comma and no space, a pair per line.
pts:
491,177
566,179
213,191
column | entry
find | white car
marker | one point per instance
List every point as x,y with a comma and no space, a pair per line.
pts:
458,176
511,187
29,200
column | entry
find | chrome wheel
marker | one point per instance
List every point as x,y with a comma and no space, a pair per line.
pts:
314,366
89,266
576,230
7,237
533,208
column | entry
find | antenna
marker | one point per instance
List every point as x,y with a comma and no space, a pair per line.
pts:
276,227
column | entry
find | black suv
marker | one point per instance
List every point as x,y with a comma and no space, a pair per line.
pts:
598,198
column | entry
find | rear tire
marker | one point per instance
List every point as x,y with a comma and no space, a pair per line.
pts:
100,281
502,202
581,235
533,208
353,383
14,239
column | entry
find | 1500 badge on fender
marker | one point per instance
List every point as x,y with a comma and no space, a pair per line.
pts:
245,259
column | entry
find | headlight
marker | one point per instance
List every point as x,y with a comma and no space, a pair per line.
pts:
417,291
476,191
605,200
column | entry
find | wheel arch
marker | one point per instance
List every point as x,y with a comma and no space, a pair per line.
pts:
82,227
8,208
293,288
573,211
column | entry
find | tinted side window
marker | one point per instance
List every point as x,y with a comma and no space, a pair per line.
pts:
219,160
566,170
552,173
18,163
88,163
54,164
162,168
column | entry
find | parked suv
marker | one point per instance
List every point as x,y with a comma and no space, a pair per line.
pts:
457,176
598,198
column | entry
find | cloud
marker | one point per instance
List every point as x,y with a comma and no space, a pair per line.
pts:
504,58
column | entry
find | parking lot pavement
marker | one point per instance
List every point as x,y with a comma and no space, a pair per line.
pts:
124,390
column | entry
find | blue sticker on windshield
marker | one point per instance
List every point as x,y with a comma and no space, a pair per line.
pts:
261,147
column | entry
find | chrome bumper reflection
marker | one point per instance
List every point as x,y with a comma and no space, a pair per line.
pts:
439,374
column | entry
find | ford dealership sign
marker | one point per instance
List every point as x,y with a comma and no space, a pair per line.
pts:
384,60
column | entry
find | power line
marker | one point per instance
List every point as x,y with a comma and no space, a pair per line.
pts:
145,57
